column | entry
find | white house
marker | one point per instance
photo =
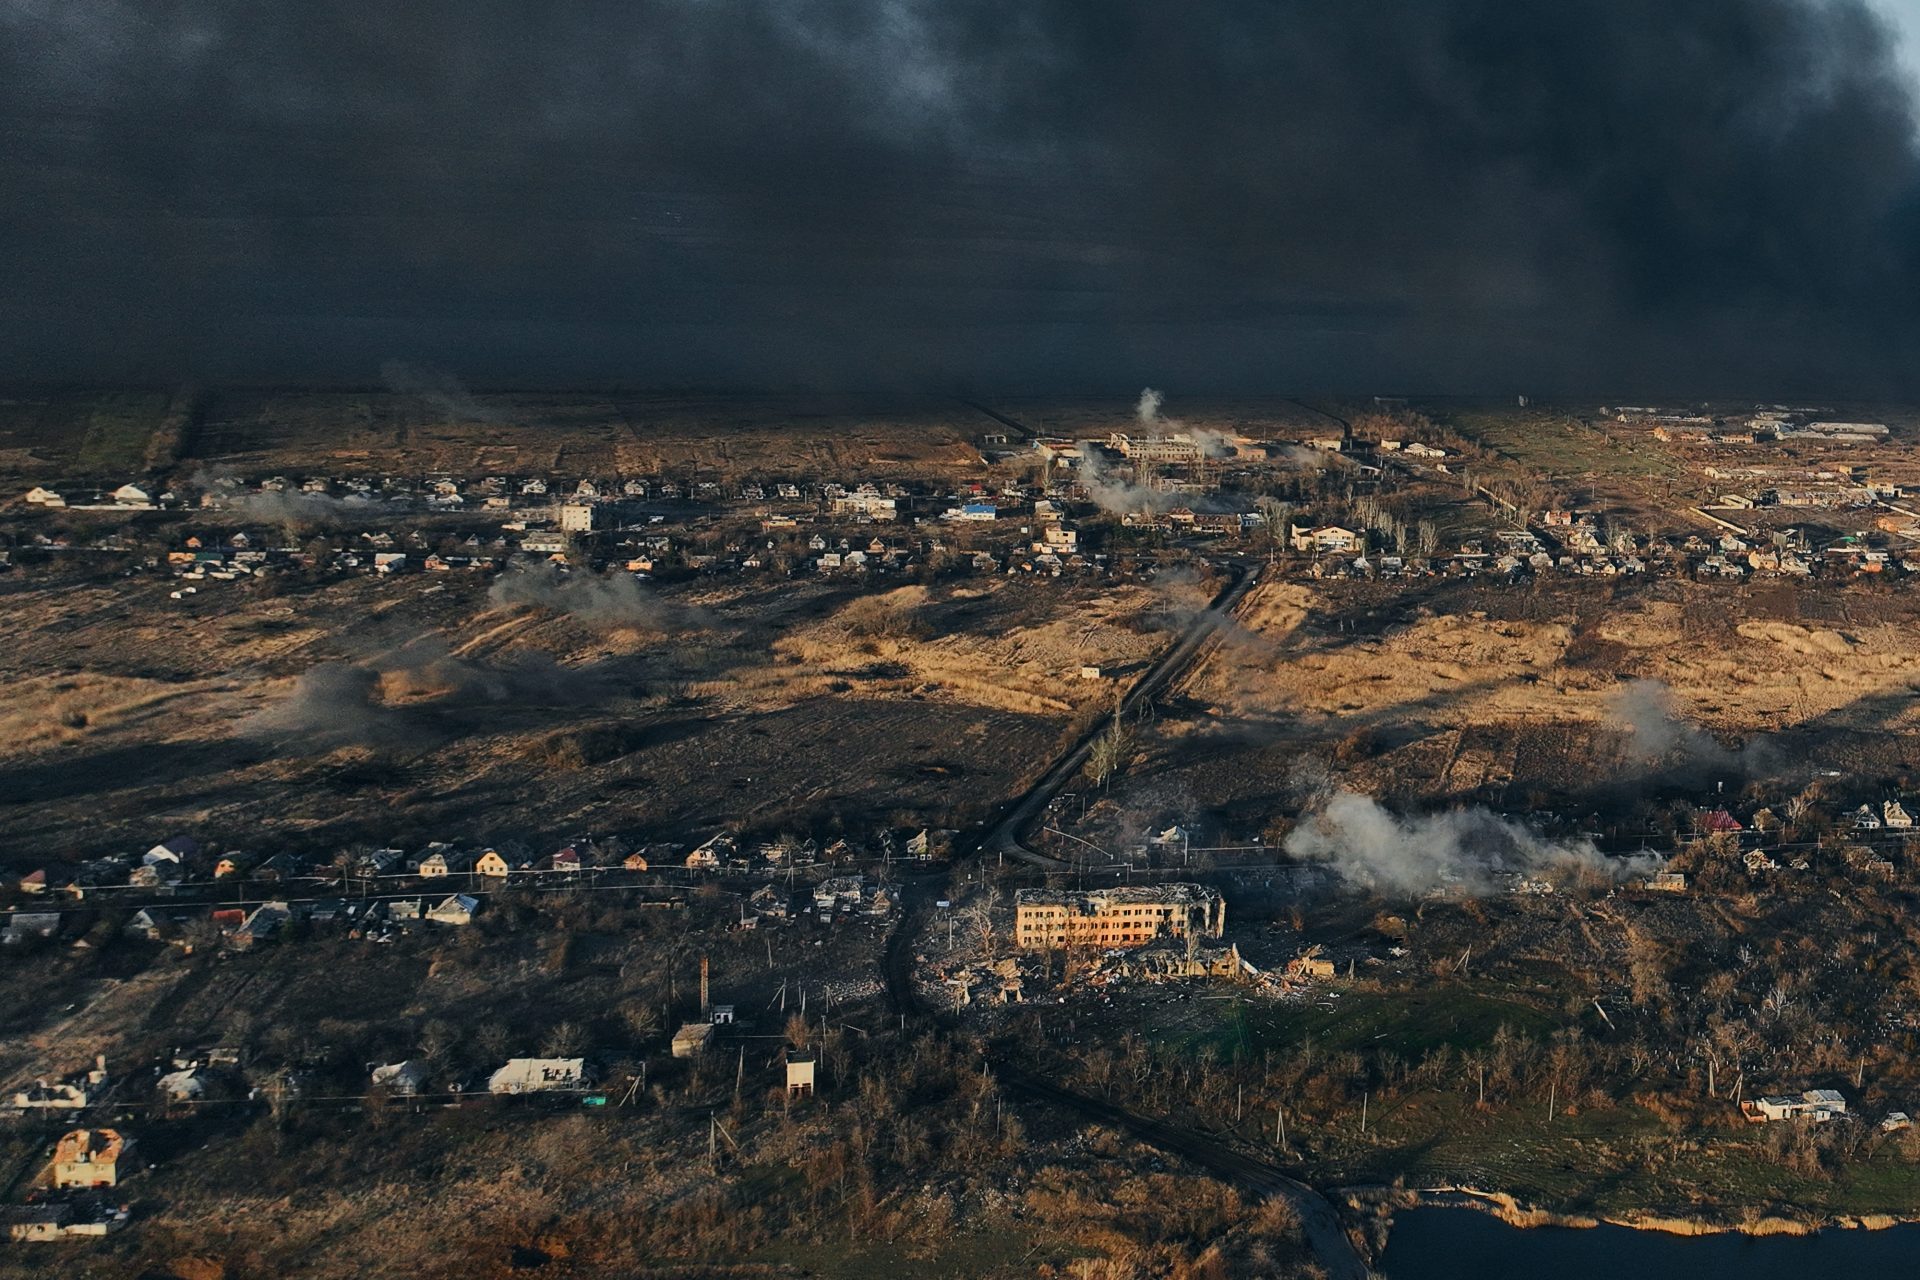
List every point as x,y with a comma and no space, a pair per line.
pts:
402,1078
1818,1105
455,909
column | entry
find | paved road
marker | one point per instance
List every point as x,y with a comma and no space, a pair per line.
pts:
1004,837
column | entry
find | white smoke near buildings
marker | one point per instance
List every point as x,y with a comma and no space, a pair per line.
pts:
1114,491
1146,409
1468,851
1298,456
298,511
610,600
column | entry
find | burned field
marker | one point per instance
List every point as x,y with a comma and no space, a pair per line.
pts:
807,709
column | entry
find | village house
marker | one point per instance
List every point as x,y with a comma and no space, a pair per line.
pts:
1311,964
1326,540
233,865
1895,816
455,909
30,1222
29,926
709,856
402,1079
264,923
154,924
445,862
91,1158
1121,917
178,850
1817,1105
492,863
538,1075
691,1040
70,1093
182,1087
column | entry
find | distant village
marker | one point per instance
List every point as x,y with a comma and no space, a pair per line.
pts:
1075,507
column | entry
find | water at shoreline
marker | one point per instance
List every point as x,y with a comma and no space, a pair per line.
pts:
1463,1244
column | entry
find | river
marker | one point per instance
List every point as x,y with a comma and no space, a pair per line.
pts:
1464,1244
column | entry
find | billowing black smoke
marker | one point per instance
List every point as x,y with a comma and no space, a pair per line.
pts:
1449,194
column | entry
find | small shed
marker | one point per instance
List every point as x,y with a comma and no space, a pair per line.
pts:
800,1063
692,1040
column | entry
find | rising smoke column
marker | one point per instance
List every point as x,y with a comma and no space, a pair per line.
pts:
608,600
1460,851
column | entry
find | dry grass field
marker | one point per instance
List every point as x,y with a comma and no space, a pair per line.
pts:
525,433
1529,698
808,705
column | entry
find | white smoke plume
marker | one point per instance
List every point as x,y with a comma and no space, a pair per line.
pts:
603,600
1147,409
1114,491
298,512
1468,851
1660,736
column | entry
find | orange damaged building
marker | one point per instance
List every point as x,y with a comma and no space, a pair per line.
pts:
1131,916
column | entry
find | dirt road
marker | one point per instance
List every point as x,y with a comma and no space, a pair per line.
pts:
1004,837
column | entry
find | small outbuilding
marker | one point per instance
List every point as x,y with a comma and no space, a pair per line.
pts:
800,1064
691,1040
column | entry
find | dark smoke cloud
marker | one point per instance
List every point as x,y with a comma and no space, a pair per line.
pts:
1449,194
415,693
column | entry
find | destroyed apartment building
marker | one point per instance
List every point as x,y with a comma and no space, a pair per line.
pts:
1130,916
